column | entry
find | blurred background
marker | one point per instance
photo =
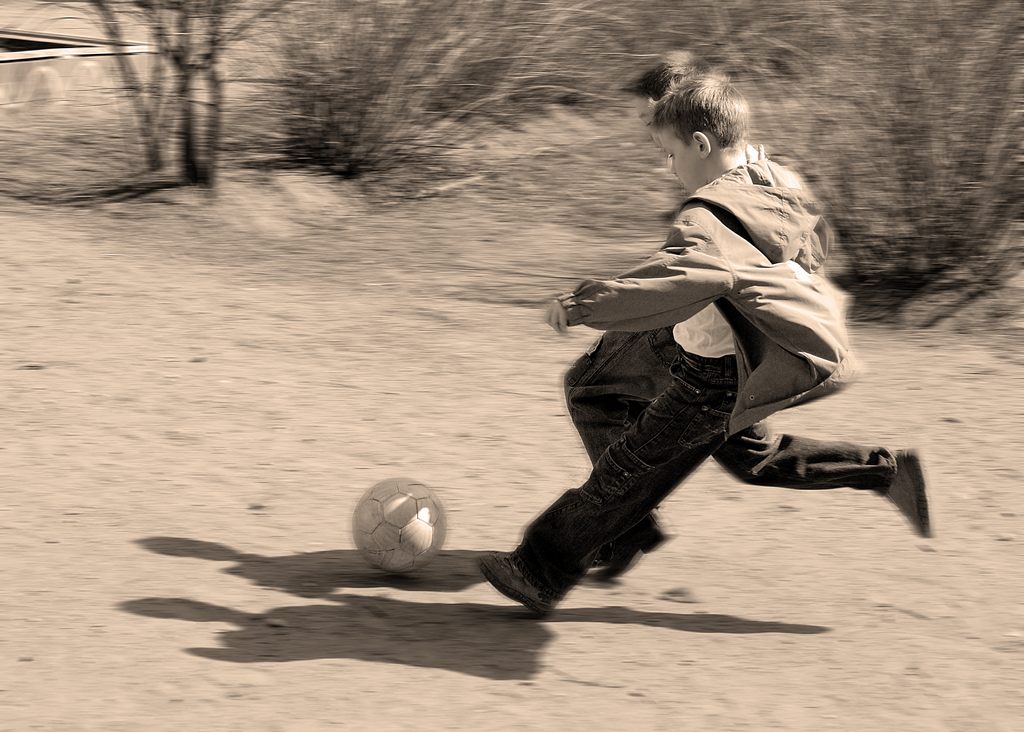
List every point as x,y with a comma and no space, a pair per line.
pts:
905,117
259,255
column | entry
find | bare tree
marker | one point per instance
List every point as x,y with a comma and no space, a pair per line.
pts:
190,37
145,100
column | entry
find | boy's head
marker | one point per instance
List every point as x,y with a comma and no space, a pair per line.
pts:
671,70
702,124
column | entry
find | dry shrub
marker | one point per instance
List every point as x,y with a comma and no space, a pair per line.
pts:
907,119
369,84
905,116
928,173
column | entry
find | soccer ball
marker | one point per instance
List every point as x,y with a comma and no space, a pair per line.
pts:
399,525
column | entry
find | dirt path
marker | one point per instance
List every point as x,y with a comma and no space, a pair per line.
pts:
186,432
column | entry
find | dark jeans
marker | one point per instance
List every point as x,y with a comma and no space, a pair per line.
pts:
619,393
677,432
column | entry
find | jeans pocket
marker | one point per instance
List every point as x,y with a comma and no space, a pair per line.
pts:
721,402
604,355
663,344
612,476
568,502
710,423
700,429
580,367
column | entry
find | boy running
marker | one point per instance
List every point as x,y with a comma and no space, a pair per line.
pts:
615,380
745,242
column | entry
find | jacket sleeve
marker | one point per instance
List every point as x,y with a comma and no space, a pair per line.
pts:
686,275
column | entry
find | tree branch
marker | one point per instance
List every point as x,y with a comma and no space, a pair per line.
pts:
243,26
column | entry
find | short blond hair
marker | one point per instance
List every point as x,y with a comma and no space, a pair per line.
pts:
708,103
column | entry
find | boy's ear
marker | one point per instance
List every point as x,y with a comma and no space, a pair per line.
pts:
703,143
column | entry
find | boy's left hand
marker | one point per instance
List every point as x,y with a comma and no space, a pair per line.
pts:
756,154
557,317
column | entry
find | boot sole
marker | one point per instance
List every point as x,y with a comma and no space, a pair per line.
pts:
917,515
509,592
922,521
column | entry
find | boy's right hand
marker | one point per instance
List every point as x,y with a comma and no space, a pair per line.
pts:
557,317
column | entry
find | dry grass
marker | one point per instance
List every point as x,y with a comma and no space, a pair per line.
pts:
920,153
916,152
364,86
918,156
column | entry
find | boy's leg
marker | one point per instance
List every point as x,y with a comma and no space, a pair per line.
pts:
608,387
675,434
758,457
606,390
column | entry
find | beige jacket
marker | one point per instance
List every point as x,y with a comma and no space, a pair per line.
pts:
751,242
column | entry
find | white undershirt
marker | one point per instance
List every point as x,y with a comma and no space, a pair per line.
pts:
705,334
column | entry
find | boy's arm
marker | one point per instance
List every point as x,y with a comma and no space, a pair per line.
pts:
686,275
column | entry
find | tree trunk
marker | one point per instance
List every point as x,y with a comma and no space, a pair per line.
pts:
144,118
151,143
181,55
215,89
186,128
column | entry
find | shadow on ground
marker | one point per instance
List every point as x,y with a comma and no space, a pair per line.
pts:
478,640
499,642
318,574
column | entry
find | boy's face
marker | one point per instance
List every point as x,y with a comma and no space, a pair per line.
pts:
685,160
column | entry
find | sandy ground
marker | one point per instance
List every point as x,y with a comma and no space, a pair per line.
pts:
187,427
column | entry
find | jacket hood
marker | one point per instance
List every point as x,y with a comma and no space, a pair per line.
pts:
782,218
